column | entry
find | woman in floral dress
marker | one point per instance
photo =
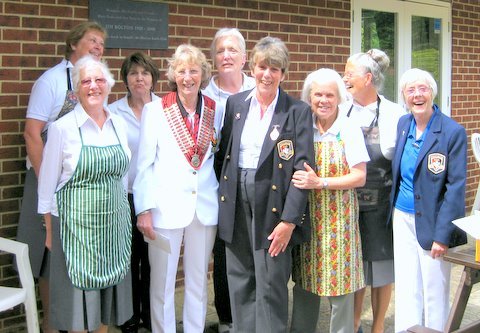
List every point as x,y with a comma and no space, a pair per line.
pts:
331,263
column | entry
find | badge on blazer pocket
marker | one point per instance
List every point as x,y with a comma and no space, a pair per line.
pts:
285,149
436,163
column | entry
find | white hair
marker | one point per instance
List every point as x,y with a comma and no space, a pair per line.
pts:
320,76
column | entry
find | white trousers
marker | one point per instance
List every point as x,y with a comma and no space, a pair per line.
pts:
198,242
422,284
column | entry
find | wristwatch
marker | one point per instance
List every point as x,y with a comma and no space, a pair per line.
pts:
324,183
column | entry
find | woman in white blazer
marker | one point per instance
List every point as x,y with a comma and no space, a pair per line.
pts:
175,190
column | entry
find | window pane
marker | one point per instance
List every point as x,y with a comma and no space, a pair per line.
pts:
379,32
426,37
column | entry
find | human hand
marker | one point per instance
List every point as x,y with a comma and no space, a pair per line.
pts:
145,225
280,238
306,179
438,250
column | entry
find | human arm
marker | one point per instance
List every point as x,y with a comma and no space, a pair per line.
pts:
308,179
144,183
34,142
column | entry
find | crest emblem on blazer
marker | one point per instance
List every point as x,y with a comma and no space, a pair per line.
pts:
436,163
285,149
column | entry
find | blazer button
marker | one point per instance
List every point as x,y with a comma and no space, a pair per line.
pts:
280,165
274,187
225,177
419,214
227,157
194,173
274,210
222,198
417,196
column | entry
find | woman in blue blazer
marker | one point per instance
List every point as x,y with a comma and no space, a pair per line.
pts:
428,193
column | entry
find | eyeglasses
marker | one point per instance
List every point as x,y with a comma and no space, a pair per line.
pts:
349,75
421,90
191,72
98,81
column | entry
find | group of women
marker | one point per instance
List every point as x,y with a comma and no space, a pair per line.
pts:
303,188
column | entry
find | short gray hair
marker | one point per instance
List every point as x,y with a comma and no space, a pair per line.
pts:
320,76
416,74
88,62
228,32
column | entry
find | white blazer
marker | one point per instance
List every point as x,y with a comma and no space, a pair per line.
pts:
165,182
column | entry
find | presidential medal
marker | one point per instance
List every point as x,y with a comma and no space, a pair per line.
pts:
195,160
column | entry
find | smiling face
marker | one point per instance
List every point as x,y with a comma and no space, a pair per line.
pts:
92,43
228,56
419,98
93,89
355,80
188,78
139,81
268,79
324,100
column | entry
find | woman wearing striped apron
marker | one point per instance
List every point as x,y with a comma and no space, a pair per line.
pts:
331,263
82,193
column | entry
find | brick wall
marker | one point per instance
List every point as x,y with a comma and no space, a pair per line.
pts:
466,79
317,34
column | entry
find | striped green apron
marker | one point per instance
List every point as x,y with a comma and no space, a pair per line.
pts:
95,227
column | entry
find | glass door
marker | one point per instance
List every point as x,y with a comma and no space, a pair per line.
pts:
410,40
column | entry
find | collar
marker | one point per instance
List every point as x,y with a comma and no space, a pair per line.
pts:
255,103
82,116
198,109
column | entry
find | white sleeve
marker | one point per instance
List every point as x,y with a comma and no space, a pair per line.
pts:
50,170
355,149
144,183
41,101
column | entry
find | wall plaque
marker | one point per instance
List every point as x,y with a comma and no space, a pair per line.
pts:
132,24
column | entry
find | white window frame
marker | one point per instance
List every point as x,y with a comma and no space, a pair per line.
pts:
405,10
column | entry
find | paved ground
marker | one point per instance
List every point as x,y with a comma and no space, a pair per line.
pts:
472,312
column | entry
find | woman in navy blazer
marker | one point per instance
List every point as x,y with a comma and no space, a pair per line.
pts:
428,193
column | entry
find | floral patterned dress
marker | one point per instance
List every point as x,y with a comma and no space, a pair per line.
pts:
331,263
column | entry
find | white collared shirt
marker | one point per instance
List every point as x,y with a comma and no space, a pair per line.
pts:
352,136
62,151
389,114
121,108
254,131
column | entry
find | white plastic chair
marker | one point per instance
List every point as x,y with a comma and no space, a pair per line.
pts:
11,297
476,154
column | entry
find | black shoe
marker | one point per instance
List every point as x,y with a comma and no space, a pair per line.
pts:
130,326
360,330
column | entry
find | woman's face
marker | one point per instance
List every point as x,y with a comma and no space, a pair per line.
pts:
139,81
93,90
419,98
228,57
355,80
91,43
324,100
188,78
267,78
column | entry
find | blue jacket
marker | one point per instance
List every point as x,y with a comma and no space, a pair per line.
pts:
438,182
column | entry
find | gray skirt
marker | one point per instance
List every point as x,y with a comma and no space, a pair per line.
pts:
73,309
378,273
31,228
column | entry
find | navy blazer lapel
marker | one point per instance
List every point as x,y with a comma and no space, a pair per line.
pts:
430,138
241,112
279,117
401,140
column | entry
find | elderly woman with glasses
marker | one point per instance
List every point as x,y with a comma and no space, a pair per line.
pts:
378,118
428,193
83,195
